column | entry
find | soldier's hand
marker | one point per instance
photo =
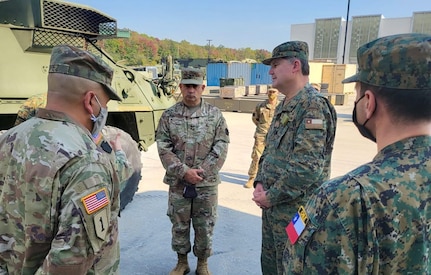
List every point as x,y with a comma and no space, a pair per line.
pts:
259,197
115,143
193,176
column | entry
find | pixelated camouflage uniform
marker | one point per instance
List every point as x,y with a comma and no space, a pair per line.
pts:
296,160
47,165
261,117
188,140
374,220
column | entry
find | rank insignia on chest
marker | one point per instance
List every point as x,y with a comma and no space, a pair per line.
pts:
297,225
95,201
313,123
284,118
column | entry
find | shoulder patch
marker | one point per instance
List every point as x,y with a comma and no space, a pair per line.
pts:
297,225
95,201
313,123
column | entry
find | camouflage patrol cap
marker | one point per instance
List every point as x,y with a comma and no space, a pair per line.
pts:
192,76
401,61
297,49
73,61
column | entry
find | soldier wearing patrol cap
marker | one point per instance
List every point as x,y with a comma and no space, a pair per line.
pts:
59,191
375,219
192,141
297,155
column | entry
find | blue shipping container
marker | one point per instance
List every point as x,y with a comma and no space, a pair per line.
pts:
215,71
239,70
260,74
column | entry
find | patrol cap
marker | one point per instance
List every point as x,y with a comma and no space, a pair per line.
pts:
73,61
401,61
192,76
297,49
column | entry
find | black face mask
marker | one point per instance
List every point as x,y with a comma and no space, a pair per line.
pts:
361,127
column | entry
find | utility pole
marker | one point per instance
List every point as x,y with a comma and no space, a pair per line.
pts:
347,24
209,49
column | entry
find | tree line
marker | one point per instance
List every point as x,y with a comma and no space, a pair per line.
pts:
144,50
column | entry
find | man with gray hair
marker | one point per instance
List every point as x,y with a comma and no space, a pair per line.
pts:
298,150
376,218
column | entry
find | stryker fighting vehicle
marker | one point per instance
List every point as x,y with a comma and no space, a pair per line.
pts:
29,29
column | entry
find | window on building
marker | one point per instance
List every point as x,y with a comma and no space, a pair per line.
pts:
326,39
364,29
422,22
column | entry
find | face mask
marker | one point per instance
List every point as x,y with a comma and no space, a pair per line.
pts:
272,96
361,127
99,121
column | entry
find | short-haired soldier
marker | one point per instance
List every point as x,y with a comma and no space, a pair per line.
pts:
59,191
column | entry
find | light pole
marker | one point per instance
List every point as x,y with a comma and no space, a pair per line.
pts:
209,48
347,24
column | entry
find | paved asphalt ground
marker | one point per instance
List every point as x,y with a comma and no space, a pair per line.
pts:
145,230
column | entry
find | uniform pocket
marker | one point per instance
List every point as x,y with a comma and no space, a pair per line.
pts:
96,217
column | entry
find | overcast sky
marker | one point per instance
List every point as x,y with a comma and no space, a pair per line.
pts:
256,24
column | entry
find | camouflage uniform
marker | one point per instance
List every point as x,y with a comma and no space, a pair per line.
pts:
59,191
297,158
130,172
375,219
192,140
47,166
262,117
370,221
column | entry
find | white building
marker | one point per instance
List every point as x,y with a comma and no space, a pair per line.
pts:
328,43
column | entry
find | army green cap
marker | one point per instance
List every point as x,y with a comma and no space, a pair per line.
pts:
297,49
73,61
192,76
401,61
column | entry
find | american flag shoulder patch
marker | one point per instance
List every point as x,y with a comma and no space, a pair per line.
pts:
313,123
95,201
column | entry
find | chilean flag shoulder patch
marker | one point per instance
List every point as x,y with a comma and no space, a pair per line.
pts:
297,225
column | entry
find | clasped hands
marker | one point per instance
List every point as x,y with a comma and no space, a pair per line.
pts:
259,197
194,176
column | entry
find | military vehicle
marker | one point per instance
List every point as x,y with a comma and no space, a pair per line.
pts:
29,29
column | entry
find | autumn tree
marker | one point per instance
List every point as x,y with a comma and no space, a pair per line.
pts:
141,49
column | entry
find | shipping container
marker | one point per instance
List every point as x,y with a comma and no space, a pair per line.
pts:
215,71
316,71
334,74
260,74
239,70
